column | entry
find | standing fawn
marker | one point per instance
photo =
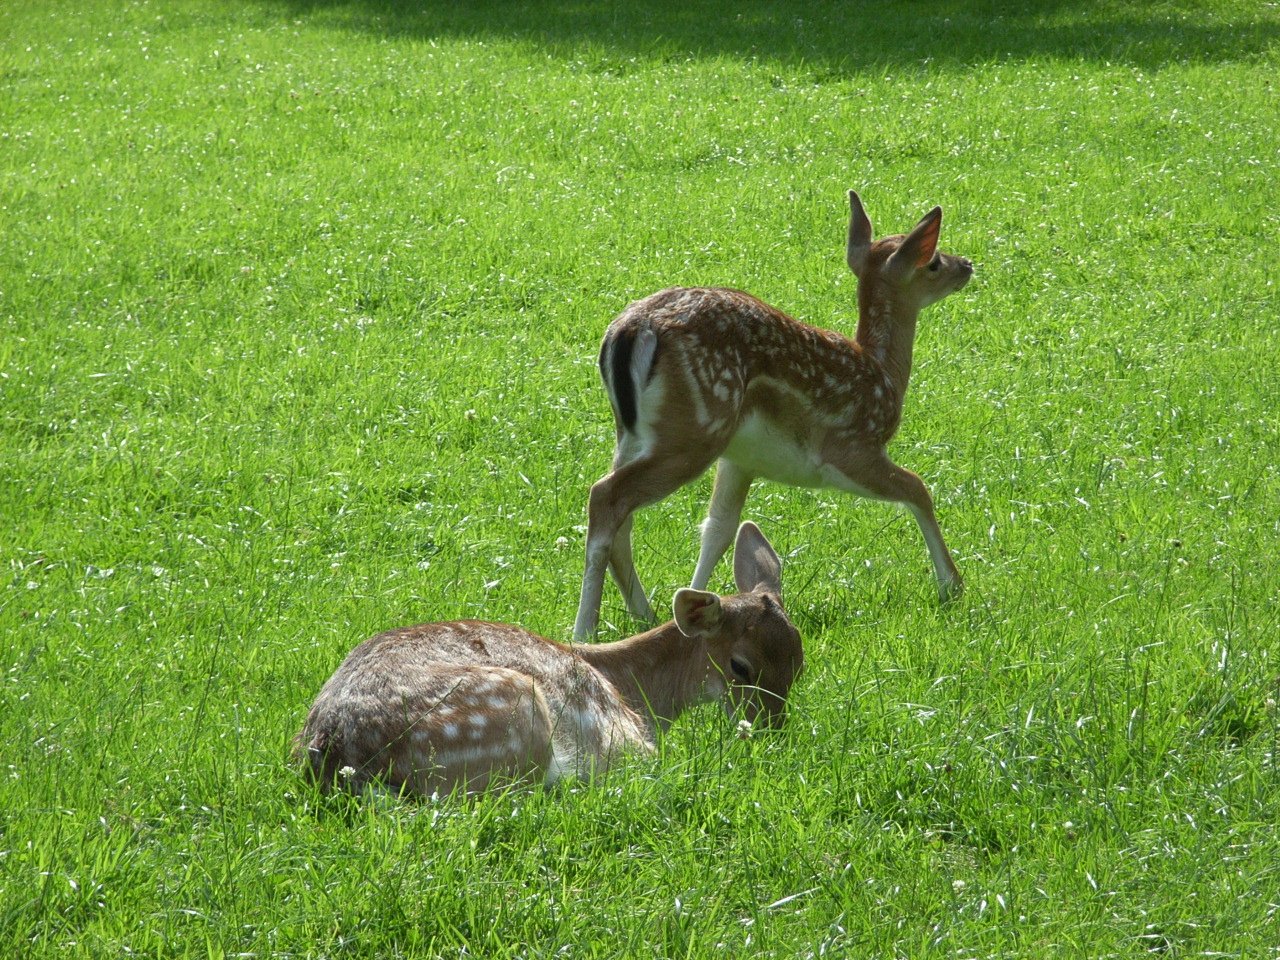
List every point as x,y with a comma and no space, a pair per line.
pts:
465,704
706,373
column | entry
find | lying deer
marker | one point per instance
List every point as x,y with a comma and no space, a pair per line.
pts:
706,373
465,704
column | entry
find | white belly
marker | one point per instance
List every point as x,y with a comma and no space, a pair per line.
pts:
763,449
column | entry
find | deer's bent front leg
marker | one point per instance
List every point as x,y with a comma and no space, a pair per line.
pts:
870,473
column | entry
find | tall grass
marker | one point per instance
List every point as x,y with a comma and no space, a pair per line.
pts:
299,304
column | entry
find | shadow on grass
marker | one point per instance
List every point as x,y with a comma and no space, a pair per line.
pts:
831,38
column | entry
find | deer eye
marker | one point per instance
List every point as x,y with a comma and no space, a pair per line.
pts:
739,669
935,264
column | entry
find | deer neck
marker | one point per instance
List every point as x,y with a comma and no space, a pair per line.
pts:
659,673
886,333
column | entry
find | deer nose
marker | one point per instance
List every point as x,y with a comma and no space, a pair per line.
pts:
771,711
771,719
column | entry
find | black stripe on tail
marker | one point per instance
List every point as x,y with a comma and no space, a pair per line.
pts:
616,353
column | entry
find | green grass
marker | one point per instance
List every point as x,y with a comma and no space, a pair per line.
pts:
299,306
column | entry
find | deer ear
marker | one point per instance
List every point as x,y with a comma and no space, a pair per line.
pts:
859,235
697,612
756,567
919,246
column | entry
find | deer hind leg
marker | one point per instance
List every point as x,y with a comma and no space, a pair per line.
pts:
621,561
876,476
723,513
623,570
614,498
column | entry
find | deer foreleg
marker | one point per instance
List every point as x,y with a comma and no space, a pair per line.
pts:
718,530
950,583
878,477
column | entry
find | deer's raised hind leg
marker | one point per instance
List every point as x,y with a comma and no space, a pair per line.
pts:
623,569
614,498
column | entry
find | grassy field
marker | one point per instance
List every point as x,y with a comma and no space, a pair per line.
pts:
299,307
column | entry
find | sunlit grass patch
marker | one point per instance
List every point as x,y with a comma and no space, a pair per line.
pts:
299,311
